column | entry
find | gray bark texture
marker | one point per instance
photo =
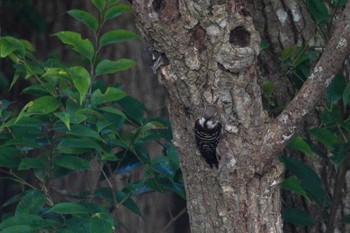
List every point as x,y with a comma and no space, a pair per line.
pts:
212,48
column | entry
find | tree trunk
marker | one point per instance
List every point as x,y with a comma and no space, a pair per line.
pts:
212,48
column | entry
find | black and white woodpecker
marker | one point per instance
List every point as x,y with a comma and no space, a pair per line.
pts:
207,134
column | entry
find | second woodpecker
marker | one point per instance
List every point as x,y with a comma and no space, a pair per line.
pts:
207,134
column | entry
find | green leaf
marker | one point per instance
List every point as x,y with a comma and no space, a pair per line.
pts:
141,153
153,130
318,10
111,2
346,95
78,223
332,116
68,208
110,67
137,188
72,162
346,218
22,113
340,153
109,157
112,94
268,89
293,184
31,203
335,90
8,45
113,111
82,46
20,229
264,45
298,143
116,36
83,131
9,157
44,105
77,118
297,217
64,117
79,143
86,18
28,163
99,224
36,90
100,4
132,108
116,11
23,219
310,181
81,80
324,136
15,77
129,203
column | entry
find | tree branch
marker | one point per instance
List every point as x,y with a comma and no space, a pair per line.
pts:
282,129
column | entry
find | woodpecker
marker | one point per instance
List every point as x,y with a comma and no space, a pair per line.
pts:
207,134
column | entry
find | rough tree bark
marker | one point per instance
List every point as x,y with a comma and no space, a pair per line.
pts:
212,48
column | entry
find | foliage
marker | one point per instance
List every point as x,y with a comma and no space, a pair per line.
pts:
329,141
72,121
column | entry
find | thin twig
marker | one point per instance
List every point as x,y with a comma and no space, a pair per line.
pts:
183,211
337,194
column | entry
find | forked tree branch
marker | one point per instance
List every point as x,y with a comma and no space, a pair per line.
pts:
338,48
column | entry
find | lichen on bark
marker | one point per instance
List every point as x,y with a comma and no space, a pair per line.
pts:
212,48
